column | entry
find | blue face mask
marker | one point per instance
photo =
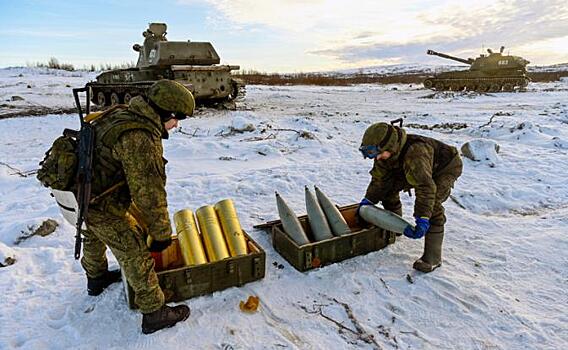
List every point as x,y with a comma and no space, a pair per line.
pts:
371,151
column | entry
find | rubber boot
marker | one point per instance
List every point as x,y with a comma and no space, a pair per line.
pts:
432,257
96,286
164,317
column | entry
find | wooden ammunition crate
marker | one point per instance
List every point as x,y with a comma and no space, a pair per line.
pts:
363,239
181,282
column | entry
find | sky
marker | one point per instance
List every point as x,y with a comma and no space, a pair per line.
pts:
286,35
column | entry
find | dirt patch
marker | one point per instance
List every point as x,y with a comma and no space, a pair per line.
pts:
45,229
8,261
446,126
34,111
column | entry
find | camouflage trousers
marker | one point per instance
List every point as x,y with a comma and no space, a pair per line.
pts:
125,237
388,194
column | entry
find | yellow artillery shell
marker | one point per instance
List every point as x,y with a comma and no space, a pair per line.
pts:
231,227
212,234
189,238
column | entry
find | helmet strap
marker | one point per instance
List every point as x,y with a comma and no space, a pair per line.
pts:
164,115
387,137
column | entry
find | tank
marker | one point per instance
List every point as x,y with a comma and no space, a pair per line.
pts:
193,64
491,72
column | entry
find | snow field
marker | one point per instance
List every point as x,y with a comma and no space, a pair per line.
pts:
502,284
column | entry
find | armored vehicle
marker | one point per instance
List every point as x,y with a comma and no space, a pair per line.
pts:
493,72
193,64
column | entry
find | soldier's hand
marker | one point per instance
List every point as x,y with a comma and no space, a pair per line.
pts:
158,246
422,226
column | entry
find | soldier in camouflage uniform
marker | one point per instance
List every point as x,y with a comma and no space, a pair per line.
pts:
128,161
404,161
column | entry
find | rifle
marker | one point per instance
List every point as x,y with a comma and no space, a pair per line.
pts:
86,139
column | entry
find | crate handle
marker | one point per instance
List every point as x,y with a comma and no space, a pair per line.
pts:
391,237
230,267
256,267
308,260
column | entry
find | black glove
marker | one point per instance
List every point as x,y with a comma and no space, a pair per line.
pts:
158,246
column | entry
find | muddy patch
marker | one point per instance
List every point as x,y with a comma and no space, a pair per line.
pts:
45,229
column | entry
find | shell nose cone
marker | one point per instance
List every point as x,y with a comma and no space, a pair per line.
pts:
316,217
290,222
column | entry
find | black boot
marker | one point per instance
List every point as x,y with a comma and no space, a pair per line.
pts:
164,317
95,286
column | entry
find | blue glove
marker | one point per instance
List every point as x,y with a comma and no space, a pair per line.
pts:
363,202
422,226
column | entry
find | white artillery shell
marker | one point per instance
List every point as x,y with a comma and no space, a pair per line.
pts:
316,217
337,222
384,219
290,222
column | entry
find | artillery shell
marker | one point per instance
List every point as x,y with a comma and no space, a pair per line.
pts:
290,222
336,221
189,238
231,226
318,222
212,233
384,219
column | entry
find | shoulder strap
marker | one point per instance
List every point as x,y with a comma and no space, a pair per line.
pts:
91,117
410,140
443,154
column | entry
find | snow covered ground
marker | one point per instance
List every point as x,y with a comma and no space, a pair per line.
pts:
505,273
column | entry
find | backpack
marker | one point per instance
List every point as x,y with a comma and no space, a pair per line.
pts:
58,169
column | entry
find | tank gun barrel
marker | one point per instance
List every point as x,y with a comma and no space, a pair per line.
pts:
443,55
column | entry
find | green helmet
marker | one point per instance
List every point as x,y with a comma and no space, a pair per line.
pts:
173,97
385,136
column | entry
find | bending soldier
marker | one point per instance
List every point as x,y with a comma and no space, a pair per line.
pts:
404,161
128,150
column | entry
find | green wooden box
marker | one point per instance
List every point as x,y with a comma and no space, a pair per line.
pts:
363,239
184,282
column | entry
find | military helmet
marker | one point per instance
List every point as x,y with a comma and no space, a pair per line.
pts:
171,97
385,136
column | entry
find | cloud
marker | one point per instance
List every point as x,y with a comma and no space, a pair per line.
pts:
372,30
515,24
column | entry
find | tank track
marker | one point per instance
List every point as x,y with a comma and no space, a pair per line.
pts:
508,84
238,90
104,95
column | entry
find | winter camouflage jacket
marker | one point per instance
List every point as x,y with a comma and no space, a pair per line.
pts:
416,161
128,148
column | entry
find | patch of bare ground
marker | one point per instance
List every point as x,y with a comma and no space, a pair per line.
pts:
328,80
258,78
7,111
45,229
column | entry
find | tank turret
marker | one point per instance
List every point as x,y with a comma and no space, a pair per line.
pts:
493,72
194,64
